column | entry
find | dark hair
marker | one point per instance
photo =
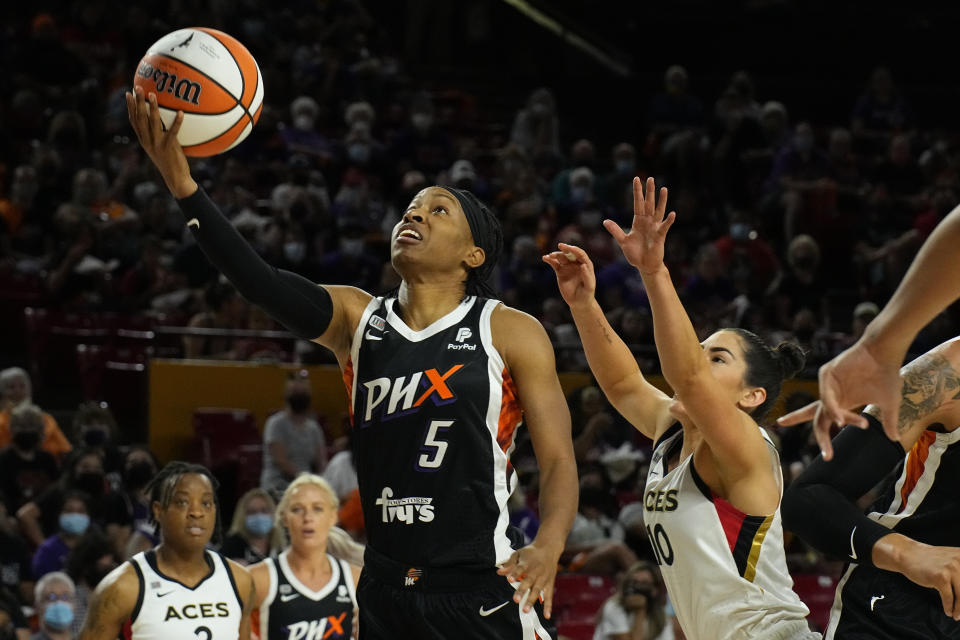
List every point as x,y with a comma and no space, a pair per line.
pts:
94,411
487,234
92,546
767,367
76,494
218,294
163,485
68,471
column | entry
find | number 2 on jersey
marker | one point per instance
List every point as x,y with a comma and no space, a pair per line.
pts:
433,449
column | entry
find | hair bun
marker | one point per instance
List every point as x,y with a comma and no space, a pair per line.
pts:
791,357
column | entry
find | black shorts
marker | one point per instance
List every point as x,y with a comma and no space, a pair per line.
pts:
882,605
397,601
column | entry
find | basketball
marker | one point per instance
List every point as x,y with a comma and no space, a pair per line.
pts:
209,76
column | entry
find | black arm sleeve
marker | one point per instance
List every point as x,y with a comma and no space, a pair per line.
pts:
820,505
298,304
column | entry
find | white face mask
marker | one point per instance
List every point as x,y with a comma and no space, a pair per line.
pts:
294,251
421,121
303,122
351,246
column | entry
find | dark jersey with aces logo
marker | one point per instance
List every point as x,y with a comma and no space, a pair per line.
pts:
435,412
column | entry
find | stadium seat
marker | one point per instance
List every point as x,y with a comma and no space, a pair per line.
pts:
816,591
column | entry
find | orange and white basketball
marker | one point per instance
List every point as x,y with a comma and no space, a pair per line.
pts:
209,76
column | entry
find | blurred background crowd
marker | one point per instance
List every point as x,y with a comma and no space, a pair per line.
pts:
803,192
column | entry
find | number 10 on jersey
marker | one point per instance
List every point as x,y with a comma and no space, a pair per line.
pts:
434,448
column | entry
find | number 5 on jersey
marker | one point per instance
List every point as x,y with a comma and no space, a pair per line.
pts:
433,448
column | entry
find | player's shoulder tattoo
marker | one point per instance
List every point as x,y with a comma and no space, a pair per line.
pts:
928,382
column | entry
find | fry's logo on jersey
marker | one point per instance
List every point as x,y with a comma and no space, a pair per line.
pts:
404,509
329,627
403,392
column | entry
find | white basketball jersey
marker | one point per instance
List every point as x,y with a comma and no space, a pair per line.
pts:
169,609
725,571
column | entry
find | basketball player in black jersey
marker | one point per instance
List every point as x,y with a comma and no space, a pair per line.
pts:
191,593
437,378
309,590
903,578
867,371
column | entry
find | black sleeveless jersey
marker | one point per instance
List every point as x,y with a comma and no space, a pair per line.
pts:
291,611
434,412
921,502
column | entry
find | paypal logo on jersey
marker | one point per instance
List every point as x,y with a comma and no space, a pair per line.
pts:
463,334
402,394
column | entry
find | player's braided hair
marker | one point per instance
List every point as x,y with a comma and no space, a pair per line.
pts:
163,485
768,366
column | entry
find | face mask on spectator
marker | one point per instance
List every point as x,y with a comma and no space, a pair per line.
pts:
299,402
58,615
74,524
359,153
351,246
90,482
303,122
579,193
294,251
421,121
625,166
26,440
259,524
138,474
95,437
739,231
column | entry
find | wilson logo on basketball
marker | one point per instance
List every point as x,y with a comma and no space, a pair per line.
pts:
181,88
408,393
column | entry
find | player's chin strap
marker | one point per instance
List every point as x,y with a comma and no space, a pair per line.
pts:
298,304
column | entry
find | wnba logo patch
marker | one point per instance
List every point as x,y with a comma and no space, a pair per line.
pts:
413,574
377,323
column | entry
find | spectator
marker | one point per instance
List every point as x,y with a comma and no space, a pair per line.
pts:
15,563
225,309
74,520
293,442
89,562
341,473
803,284
133,512
879,112
16,391
535,126
13,624
595,543
25,469
94,427
303,136
83,471
55,598
637,611
253,534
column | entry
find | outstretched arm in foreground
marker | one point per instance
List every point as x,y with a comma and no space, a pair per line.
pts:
867,371
326,314
611,362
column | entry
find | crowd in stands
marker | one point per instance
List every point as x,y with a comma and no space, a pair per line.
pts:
795,230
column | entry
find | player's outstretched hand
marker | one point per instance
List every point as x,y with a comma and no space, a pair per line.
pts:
643,244
536,569
575,276
856,377
161,145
